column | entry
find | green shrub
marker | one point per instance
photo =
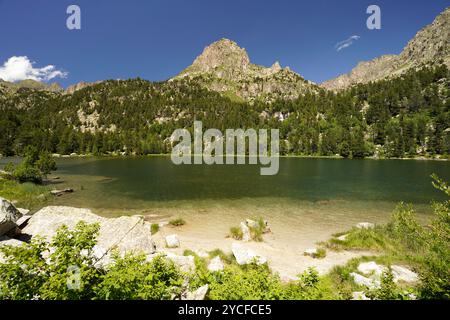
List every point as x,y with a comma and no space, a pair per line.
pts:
132,277
177,222
321,253
154,228
236,233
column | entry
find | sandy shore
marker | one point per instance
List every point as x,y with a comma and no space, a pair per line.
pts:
283,247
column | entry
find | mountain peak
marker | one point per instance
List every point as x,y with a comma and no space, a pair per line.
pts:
222,54
431,45
224,66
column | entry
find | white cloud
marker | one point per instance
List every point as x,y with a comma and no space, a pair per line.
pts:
346,43
21,68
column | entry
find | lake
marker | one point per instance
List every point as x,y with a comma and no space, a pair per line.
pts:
308,201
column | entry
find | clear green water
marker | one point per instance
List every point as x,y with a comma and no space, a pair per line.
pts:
335,187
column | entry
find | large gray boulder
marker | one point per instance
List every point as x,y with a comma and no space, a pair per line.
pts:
8,217
124,233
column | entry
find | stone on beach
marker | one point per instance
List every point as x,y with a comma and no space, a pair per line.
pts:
246,256
245,232
311,252
371,268
172,241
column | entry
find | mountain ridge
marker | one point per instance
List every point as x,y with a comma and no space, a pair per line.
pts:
430,45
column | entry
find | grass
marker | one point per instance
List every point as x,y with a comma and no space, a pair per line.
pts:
154,228
27,195
236,233
177,222
256,231
321,253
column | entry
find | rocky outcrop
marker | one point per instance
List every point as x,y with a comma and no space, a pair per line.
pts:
124,233
225,67
369,274
8,217
431,45
246,256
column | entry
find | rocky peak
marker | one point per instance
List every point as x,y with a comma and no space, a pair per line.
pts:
223,66
223,54
431,45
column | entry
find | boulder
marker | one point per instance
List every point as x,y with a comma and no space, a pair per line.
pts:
215,264
245,232
172,241
8,217
365,225
371,268
124,233
22,222
246,256
363,281
403,274
198,294
5,241
185,263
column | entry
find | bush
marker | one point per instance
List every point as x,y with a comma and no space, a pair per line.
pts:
321,253
25,172
177,222
154,228
132,277
236,233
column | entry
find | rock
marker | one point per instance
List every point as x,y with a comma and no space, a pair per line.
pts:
6,241
343,237
124,233
371,268
22,222
198,294
251,223
403,274
172,241
201,253
23,211
246,256
363,281
365,225
59,193
186,263
311,252
8,217
359,295
215,264
245,232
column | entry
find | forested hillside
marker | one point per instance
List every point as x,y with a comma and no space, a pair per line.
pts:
401,117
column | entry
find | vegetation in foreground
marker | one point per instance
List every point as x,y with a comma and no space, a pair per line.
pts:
42,270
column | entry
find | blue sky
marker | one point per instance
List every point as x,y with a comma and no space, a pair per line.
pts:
156,39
